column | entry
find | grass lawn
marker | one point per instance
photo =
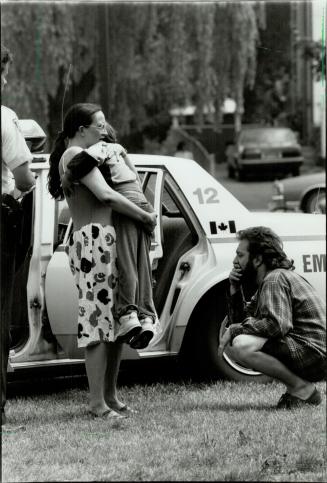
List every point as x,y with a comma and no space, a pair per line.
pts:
219,431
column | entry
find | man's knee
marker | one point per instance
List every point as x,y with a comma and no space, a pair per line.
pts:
244,345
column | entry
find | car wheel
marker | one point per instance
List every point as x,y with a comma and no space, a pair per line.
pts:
315,202
202,343
232,369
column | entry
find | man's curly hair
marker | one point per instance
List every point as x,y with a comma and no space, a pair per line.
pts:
263,241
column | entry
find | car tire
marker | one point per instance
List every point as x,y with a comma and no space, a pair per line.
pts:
201,359
315,201
224,365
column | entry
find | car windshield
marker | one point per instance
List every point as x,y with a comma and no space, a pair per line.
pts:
269,136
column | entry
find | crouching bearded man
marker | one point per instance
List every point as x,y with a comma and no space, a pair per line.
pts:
281,332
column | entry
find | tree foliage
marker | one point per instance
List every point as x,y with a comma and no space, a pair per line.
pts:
138,60
45,39
315,52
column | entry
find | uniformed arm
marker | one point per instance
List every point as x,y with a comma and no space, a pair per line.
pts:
24,178
15,153
96,183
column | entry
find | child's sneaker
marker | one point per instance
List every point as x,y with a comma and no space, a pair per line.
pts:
129,327
142,339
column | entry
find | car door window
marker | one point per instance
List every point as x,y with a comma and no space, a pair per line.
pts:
152,181
178,237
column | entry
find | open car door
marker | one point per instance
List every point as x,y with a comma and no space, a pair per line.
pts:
60,291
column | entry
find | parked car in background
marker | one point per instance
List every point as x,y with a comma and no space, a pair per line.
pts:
192,251
305,193
264,149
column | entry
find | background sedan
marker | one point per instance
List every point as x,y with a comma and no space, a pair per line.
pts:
303,193
264,149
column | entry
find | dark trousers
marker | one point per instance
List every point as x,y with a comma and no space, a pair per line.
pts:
134,268
9,232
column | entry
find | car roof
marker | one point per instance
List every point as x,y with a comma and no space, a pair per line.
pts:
171,163
160,160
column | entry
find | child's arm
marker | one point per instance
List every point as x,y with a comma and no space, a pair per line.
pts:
130,165
80,165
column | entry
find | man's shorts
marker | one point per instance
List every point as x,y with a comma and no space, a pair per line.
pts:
314,370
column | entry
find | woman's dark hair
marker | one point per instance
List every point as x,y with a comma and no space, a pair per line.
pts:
76,116
6,57
263,241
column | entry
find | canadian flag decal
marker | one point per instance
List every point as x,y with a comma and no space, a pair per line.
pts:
222,227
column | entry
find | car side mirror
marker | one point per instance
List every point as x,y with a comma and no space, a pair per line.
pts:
34,135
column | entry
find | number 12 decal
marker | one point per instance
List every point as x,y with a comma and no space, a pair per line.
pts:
209,195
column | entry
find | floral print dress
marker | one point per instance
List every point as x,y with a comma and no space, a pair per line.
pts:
93,262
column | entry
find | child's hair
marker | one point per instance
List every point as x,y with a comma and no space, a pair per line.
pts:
111,134
76,116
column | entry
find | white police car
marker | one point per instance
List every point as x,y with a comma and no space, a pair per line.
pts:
192,253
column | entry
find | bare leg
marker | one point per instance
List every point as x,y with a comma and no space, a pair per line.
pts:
114,353
247,351
96,364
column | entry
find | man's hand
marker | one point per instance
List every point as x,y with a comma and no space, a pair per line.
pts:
226,339
150,222
235,278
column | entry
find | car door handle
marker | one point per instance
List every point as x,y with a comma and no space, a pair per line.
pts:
184,267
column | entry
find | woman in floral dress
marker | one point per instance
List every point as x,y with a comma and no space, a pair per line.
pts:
92,255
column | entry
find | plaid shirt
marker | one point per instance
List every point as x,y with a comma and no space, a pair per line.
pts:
285,306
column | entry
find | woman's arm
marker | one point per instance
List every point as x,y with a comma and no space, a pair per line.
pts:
96,183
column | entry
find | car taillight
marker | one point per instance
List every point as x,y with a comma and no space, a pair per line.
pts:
278,195
278,187
251,154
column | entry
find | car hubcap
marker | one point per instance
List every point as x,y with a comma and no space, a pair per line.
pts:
231,362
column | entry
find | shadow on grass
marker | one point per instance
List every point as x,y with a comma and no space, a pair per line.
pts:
132,373
230,407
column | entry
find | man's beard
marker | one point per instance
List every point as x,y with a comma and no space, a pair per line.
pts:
249,280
